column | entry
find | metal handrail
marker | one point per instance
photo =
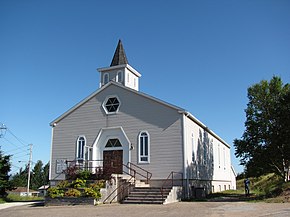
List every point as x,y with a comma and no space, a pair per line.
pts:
132,177
172,179
148,174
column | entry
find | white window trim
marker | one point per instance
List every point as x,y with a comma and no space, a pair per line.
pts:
77,147
224,156
193,148
119,77
104,78
105,101
219,156
128,78
139,149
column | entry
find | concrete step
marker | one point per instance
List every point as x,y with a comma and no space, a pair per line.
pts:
147,195
142,202
141,184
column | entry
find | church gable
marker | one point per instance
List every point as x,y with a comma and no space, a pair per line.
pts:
133,105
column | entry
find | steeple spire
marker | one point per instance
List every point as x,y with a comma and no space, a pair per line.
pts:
119,56
120,71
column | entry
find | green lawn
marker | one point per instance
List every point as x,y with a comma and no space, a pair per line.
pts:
268,188
17,198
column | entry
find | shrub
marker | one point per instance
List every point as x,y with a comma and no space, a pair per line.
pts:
85,174
72,193
78,183
55,192
98,185
63,184
90,192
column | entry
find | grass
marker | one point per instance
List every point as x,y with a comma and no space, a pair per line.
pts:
17,198
267,188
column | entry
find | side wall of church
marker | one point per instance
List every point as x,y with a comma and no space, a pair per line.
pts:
207,159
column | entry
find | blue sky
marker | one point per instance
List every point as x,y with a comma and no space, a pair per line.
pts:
199,55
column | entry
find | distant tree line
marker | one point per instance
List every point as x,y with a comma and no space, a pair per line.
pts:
265,144
5,167
39,175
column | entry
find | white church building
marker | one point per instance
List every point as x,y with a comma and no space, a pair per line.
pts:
118,125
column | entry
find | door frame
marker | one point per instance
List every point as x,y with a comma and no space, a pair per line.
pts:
101,140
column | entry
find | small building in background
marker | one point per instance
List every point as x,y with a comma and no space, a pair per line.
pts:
43,190
22,191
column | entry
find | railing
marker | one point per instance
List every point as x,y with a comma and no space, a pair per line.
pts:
94,166
128,182
148,174
84,164
97,169
171,180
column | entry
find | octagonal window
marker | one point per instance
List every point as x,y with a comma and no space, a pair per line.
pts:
111,105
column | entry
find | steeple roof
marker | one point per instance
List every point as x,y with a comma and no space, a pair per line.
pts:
119,56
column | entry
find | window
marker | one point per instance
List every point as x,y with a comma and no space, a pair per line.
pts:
81,142
144,147
219,156
193,149
119,76
106,78
113,143
111,105
224,153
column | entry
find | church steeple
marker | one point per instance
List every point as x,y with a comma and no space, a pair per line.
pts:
120,71
119,55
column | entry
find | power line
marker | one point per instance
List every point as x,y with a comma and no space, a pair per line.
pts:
18,147
19,140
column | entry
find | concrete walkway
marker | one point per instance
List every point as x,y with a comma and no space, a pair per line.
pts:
13,204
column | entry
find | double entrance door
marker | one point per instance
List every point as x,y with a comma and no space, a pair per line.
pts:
113,162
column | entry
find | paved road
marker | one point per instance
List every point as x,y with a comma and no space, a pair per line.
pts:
183,209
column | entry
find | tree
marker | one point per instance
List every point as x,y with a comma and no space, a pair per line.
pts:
20,179
39,175
5,167
264,146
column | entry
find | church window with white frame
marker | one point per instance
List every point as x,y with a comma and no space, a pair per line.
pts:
144,147
119,77
193,149
80,150
106,78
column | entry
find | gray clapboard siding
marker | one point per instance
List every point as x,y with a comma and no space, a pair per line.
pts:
137,113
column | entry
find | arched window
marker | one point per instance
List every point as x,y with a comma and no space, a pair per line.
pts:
193,148
119,77
81,142
144,147
106,78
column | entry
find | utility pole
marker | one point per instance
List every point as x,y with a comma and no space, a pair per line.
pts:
3,129
29,165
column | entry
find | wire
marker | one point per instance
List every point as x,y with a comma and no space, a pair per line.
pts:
21,147
19,140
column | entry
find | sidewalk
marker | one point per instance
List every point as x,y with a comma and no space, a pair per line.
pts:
12,204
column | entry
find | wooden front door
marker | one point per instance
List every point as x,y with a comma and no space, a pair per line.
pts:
113,162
